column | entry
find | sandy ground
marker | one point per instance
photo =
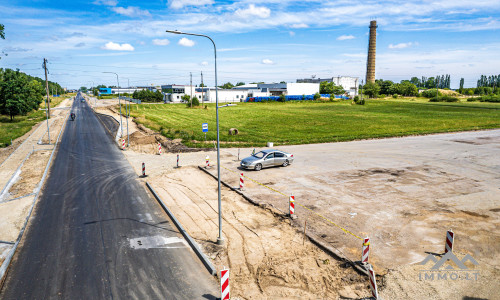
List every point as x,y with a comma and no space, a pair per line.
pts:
404,193
21,172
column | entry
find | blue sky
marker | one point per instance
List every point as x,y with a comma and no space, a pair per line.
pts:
257,40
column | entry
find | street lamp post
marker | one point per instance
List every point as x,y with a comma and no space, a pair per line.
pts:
220,239
127,111
119,103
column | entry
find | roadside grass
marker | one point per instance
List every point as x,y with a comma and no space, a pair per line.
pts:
301,122
22,124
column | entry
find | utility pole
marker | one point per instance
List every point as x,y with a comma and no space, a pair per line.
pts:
48,99
202,87
191,87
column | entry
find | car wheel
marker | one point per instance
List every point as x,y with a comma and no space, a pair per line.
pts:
285,163
258,167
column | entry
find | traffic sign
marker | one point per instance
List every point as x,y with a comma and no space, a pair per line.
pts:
204,127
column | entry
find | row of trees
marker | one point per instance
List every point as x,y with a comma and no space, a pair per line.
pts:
19,93
440,81
330,88
489,81
148,96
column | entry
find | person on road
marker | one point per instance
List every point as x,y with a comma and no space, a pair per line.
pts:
73,116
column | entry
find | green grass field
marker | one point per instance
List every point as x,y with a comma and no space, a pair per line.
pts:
22,124
301,122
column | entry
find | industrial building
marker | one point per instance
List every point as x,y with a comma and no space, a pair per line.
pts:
128,90
349,84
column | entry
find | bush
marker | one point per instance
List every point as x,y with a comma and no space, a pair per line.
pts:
316,96
444,99
490,98
282,98
332,97
430,94
194,100
356,98
395,96
360,102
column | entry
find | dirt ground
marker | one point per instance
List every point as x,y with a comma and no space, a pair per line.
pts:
405,203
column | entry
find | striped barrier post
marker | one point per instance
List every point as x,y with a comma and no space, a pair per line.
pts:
159,148
365,251
123,144
291,206
177,160
450,237
242,182
373,282
224,284
207,162
143,169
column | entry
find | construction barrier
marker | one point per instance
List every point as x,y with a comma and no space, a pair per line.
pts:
143,169
159,148
224,284
450,237
373,282
177,160
365,251
242,182
207,161
123,144
291,205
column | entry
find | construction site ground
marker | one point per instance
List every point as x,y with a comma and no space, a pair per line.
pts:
404,193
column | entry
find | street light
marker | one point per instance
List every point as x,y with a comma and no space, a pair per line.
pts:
119,103
220,239
127,110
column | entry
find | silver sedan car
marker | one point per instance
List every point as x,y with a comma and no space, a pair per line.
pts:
267,158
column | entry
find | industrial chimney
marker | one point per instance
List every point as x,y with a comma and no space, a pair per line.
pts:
372,50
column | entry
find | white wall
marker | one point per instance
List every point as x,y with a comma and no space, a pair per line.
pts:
227,95
302,88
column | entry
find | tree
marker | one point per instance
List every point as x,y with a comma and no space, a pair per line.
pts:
19,93
2,31
240,83
326,87
386,87
461,89
83,89
371,89
227,86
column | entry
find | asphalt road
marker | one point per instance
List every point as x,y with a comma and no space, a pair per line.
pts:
97,234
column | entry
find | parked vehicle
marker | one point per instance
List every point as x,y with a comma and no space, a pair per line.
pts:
267,158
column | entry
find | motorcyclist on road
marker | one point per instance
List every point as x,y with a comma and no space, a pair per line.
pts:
73,116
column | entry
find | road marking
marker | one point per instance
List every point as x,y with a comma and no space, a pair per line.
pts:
149,242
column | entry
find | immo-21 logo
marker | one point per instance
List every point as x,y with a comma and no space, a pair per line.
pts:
448,272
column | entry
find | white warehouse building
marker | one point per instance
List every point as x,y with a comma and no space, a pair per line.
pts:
349,84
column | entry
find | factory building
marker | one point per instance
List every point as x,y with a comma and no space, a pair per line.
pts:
349,84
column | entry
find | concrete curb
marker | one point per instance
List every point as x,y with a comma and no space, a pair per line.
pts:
312,237
210,267
8,259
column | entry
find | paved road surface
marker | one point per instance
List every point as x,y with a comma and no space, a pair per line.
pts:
96,233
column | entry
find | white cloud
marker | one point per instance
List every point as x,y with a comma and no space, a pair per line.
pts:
267,61
186,42
178,4
345,37
253,11
291,33
161,42
106,2
131,11
300,25
118,47
402,45
204,63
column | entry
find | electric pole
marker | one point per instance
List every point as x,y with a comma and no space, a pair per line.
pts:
191,87
48,99
202,86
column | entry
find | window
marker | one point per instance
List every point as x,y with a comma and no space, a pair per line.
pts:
271,155
177,96
259,154
279,154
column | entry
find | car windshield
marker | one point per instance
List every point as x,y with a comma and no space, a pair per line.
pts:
259,154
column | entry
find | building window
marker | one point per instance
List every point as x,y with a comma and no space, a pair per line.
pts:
237,96
177,97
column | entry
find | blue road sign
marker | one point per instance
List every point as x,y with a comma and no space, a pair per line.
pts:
204,127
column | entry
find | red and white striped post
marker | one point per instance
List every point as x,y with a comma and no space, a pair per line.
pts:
373,282
291,205
143,169
365,251
207,162
159,148
242,182
177,160
450,237
123,144
224,284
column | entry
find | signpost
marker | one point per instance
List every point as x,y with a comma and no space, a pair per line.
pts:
204,128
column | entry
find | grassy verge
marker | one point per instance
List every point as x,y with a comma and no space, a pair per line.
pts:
11,130
300,122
